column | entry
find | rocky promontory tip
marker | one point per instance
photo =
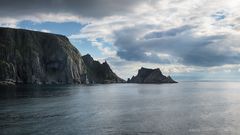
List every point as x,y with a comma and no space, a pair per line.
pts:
100,73
154,76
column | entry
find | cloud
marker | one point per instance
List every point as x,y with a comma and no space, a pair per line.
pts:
82,11
171,32
86,8
180,43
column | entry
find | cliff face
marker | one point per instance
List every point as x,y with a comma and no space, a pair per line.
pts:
100,73
150,76
38,58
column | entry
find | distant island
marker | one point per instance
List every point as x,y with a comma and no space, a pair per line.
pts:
32,57
146,75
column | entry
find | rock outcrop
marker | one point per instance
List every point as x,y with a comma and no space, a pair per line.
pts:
100,73
32,57
150,76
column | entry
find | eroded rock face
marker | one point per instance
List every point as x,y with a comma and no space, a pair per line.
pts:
150,76
100,73
32,57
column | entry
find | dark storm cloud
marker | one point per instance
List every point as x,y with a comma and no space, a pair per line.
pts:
171,32
139,55
178,43
87,8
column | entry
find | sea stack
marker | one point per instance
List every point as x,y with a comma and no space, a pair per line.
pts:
153,76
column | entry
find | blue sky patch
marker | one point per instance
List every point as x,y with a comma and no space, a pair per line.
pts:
66,28
220,15
86,47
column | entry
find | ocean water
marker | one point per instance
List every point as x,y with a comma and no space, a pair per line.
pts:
186,108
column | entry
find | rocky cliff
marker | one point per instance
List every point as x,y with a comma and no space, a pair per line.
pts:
150,76
100,73
38,58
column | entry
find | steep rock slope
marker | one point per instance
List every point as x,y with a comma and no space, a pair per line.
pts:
100,73
32,57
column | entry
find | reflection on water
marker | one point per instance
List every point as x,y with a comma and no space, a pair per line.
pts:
177,109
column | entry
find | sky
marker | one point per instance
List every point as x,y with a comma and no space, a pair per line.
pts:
187,39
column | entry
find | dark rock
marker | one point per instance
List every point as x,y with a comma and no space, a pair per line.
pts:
128,80
100,73
7,82
38,58
150,76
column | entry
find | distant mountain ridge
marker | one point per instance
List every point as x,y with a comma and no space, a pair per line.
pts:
146,75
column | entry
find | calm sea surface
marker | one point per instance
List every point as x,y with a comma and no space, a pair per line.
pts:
186,108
